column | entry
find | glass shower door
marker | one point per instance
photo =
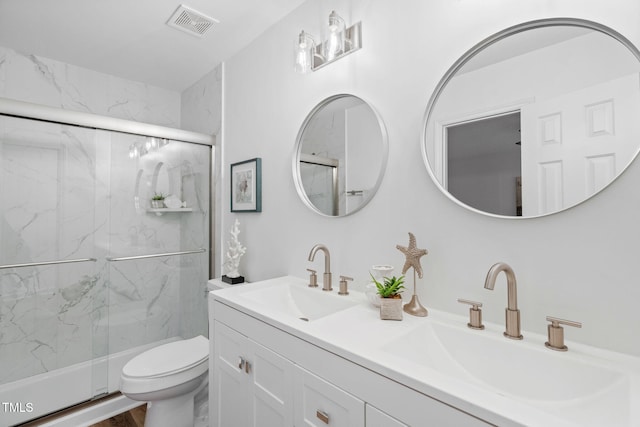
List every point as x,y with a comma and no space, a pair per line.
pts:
159,257
91,273
52,290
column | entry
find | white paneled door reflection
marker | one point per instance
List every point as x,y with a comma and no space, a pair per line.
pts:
574,144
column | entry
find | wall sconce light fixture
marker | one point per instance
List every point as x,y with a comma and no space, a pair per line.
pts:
338,42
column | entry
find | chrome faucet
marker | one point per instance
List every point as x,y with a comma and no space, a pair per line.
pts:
326,277
512,314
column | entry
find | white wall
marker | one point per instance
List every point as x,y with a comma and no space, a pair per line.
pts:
579,265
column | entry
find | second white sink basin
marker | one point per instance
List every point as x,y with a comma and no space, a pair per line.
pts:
298,300
576,388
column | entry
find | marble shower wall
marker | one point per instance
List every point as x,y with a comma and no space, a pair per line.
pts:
69,192
31,78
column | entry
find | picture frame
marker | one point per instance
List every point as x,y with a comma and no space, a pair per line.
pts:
246,186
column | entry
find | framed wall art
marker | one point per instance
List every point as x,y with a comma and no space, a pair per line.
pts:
246,186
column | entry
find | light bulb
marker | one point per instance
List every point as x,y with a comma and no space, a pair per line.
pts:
334,43
304,53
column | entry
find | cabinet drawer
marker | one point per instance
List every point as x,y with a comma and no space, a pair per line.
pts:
377,418
320,404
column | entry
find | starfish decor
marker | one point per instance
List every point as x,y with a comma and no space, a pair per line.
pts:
413,255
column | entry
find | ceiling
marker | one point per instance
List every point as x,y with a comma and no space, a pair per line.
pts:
130,38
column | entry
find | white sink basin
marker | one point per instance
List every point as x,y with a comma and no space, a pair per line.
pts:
298,300
576,388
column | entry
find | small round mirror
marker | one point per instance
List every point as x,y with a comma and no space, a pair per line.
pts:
535,119
340,156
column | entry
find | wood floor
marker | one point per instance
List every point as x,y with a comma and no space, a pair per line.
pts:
132,418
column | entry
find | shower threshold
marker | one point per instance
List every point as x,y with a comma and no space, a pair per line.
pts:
87,413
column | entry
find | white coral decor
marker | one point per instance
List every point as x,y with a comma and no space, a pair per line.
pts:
235,250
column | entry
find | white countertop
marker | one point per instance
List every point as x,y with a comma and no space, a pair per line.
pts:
358,334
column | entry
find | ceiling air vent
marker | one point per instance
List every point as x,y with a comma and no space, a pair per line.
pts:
191,21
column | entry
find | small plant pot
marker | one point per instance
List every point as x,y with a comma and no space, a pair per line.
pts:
391,308
157,204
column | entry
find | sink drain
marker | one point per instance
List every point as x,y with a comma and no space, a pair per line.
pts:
303,318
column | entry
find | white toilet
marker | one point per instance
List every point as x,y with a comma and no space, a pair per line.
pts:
168,377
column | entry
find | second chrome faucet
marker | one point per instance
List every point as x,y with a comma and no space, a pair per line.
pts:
512,313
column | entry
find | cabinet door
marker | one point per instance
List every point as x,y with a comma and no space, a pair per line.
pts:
230,385
252,384
377,418
270,388
320,404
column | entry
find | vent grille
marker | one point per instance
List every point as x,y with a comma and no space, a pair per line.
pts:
191,21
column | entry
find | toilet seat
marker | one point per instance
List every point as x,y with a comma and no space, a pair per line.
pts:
166,366
168,359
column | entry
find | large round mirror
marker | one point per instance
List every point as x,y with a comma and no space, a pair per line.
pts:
535,119
340,156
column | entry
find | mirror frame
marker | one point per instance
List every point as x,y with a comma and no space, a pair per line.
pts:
297,151
471,53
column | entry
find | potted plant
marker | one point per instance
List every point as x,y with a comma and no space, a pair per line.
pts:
157,201
390,299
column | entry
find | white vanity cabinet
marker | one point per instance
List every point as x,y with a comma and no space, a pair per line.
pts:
264,376
253,386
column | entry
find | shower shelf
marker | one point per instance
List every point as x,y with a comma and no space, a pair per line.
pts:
161,211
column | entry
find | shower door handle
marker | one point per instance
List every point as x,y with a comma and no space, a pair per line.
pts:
36,264
129,258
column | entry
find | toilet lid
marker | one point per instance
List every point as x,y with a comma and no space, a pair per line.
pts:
168,358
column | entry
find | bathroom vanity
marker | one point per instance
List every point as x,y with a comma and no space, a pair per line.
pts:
285,354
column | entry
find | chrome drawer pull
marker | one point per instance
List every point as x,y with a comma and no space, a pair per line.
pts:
323,416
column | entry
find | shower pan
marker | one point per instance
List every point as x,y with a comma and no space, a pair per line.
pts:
90,273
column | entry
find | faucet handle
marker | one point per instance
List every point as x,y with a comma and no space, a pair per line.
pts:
313,278
475,314
556,332
343,285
